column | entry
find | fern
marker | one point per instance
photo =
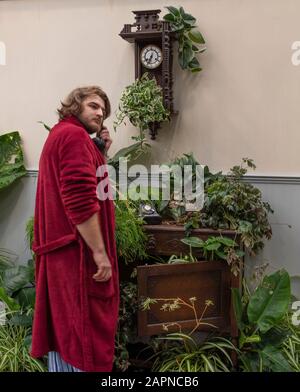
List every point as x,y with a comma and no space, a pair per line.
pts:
130,237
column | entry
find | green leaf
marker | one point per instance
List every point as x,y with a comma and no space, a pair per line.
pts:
124,152
30,271
189,19
244,226
275,359
194,65
250,361
251,339
162,205
213,246
11,159
173,10
24,320
27,341
26,297
185,56
275,337
10,302
237,306
5,259
169,18
16,278
227,241
178,27
196,36
194,70
221,254
239,253
195,242
181,11
47,127
270,301
198,50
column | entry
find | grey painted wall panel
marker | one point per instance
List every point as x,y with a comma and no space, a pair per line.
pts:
16,207
282,251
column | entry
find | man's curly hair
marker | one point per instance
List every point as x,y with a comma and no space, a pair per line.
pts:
72,105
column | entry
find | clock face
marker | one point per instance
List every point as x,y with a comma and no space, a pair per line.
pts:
151,56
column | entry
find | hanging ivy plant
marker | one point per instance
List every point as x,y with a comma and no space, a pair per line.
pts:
184,25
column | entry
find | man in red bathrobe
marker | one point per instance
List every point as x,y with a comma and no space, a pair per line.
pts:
77,283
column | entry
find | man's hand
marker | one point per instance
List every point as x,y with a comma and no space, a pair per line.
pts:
104,267
90,230
104,134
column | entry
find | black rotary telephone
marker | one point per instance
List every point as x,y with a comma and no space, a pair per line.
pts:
149,214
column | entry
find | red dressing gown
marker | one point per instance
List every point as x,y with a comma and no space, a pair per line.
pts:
74,315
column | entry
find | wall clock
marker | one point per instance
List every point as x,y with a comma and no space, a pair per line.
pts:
153,41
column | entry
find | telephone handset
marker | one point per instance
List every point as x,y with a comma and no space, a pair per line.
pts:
100,143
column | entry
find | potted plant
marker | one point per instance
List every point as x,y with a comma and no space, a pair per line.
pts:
230,204
17,292
142,104
11,159
268,341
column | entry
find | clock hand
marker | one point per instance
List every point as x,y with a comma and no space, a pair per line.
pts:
149,60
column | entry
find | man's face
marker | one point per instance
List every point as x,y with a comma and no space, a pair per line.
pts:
92,113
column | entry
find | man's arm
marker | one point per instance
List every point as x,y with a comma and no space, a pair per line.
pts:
90,230
78,184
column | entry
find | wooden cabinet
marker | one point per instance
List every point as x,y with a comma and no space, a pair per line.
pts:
205,280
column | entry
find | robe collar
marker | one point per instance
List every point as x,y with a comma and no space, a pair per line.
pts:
73,120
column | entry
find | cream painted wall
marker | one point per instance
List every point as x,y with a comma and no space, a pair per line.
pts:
244,103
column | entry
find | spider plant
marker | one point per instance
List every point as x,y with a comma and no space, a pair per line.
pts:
180,352
14,352
185,355
291,346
